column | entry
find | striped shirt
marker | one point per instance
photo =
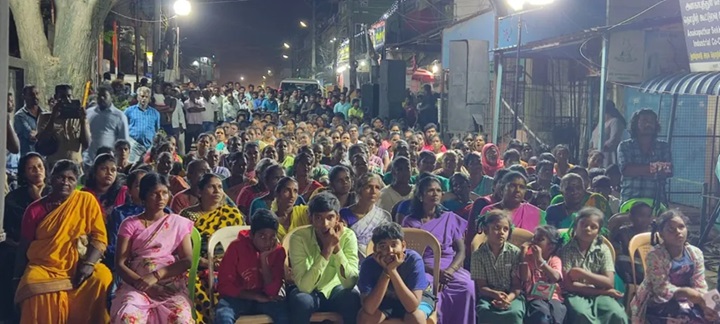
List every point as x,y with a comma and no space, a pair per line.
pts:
143,123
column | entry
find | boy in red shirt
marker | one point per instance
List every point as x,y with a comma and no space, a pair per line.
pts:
251,273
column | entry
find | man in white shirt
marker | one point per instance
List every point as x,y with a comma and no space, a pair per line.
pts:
211,107
178,122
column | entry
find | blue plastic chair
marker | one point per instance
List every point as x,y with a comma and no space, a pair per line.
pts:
196,239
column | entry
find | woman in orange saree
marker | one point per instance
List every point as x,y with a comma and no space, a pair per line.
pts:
64,236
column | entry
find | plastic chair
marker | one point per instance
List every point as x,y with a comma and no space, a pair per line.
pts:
639,244
196,239
317,316
520,236
224,236
617,221
478,240
418,240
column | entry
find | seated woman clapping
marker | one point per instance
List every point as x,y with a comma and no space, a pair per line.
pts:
153,253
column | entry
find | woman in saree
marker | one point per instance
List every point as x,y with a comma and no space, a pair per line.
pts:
364,215
576,197
480,183
191,196
103,183
249,193
523,214
31,186
456,299
302,168
460,199
290,215
163,166
491,161
209,215
341,183
238,179
270,179
154,252
62,240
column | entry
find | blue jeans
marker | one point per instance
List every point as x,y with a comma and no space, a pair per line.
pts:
209,127
229,309
343,301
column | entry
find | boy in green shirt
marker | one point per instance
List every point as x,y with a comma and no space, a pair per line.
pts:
324,262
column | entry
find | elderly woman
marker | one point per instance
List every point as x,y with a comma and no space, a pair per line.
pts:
456,299
63,281
364,215
154,252
270,178
210,214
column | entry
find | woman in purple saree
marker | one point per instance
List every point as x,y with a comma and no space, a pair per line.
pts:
154,284
456,298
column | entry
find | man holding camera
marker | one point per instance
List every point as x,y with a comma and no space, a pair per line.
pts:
64,132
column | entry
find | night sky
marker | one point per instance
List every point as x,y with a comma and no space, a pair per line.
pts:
246,36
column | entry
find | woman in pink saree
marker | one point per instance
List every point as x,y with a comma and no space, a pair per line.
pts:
154,284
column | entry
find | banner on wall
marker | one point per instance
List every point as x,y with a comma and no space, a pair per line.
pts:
343,53
701,22
626,57
377,34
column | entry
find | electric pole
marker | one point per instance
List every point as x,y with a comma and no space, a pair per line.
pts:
157,31
351,42
313,64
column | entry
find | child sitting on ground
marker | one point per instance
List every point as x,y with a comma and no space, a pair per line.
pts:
392,280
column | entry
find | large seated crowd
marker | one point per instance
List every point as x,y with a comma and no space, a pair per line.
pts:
323,210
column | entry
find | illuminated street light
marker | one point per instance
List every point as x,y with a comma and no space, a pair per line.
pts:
303,24
182,7
518,5
286,45
242,78
269,72
264,77
285,56
195,63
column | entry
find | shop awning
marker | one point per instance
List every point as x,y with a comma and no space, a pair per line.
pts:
700,83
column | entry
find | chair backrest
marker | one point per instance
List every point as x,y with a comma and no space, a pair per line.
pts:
520,236
618,220
418,240
478,240
610,246
286,245
640,244
224,237
196,242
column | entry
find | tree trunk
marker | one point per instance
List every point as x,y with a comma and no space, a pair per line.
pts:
77,28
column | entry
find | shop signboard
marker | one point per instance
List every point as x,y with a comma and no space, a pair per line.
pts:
701,23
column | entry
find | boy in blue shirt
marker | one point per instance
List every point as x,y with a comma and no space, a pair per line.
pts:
392,280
